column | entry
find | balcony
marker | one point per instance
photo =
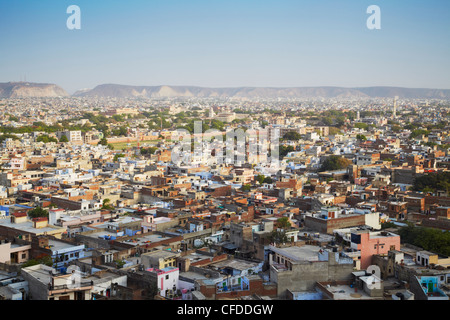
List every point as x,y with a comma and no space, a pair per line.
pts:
81,286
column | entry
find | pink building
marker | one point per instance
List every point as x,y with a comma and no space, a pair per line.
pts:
373,243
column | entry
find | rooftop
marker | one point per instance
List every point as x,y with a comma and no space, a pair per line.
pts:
346,292
146,239
27,227
303,253
237,264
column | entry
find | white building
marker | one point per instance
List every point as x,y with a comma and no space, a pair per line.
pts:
166,280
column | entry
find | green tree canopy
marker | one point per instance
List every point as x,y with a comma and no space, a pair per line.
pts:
284,150
150,150
361,137
103,141
334,162
418,132
117,156
260,178
433,240
361,125
292,135
37,213
432,182
46,138
64,138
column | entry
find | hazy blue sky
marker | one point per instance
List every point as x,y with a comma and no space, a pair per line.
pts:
226,43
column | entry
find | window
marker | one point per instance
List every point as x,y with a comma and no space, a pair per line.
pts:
167,277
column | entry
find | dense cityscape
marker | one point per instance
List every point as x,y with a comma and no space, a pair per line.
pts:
95,206
224,158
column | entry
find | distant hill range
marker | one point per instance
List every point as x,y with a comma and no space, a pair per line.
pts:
28,89
125,91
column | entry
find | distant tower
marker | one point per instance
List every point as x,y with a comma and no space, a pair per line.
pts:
211,112
394,115
137,138
357,115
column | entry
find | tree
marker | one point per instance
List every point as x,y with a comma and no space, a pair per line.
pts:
150,150
278,236
433,240
284,150
37,213
246,187
64,138
46,259
120,263
283,223
106,205
361,137
117,156
260,178
103,141
292,135
334,131
334,162
46,139
361,125
418,132
432,182
268,180
7,136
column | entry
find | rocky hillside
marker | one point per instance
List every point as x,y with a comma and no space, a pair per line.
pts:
27,89
124,91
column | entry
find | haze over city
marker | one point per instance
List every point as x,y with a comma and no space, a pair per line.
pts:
225,155
226,43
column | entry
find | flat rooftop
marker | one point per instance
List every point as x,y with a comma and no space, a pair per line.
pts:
28,227
237,264
40,272
160,253
59,245
303,253
146,239
345,292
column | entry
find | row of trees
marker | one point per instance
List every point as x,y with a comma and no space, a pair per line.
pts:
433,240
432,182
